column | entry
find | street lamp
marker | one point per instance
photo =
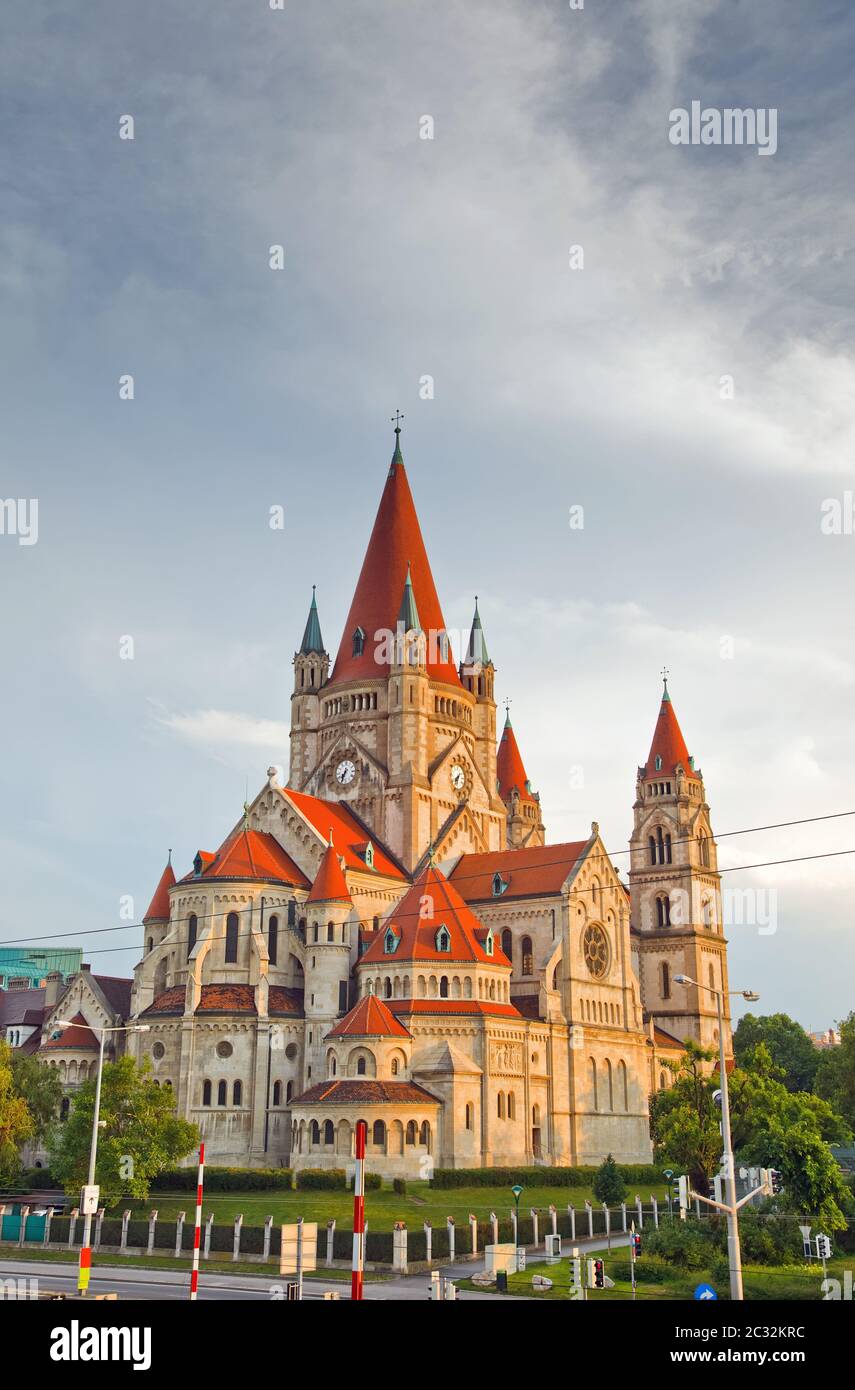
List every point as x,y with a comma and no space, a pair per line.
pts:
90,1191
517,1191
733,1251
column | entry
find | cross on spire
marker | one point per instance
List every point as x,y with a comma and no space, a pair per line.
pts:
397,417
665,674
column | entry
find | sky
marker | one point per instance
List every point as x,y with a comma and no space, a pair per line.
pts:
571,310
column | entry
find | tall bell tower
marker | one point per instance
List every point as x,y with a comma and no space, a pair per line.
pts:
675,890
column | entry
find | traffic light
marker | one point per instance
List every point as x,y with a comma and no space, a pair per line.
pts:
636,1245
681,1194
599,1271
823,1247
776,1179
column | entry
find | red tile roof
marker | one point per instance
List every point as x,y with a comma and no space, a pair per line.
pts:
509,767
370,1018
395,543
251,854
668,744
330,885
533,872
432,902
228,999
349,835
484,1007
158,908
78,1034
359,1092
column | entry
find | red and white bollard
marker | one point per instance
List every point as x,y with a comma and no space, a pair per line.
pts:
359,1214
197,1233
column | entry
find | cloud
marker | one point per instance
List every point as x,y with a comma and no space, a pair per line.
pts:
226,728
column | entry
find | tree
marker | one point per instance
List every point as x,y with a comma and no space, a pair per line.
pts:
140,1134
835,1076
789,1047
40,1087
684,1119
608,1185
16,1122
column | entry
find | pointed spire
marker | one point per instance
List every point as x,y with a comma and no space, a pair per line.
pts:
408,613
158,908
476,652
510,768
668,749
312,639
397,457
396,542
330,885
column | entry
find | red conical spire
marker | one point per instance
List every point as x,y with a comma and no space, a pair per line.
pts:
396,543
668,746
510,769
330,885
158,908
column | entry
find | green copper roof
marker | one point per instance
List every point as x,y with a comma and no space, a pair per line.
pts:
477,649
312,639
409,613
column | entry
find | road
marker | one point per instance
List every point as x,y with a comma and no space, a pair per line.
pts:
160,1284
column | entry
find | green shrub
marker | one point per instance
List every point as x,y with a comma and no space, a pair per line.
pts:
399,1187
686,1244
637,1175
608,1185
223,1179
326,1179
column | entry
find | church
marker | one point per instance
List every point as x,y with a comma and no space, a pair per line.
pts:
389,935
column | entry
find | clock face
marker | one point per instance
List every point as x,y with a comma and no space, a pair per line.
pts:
458,777
345,772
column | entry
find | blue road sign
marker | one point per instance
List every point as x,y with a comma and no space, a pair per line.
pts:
705,1291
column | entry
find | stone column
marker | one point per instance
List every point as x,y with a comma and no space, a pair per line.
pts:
330,1241
152,1223
473,1232
268,1229
48,1220
623,1216
590,1211
236,1243
514,1224
25,1211
123,1239
655,1206
179,1231
99,1221
209,1225
494,1222
449,1221
553,1213
640,1210
399,1247
571,1212
533,1213
72,1225
428,1229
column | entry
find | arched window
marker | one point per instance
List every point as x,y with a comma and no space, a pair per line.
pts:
358,642
329,1132
237,1093
508,943
512,1106
206,1093
192,926
333,1064
289,1092
711,974
425,1136
412,1132
623,1085
667,849
360,1066
662,1081
232,938
594,1092
394,1066
273,939
315,1132
378,1134
666,980
292,912
610,1083
65,1106
663,912
704,850
660,846
277,1093
221,1093
330,931
527,956
652,843
387,988
443,986
470,1115
500,1105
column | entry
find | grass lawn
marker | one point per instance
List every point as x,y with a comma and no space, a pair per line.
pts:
382,1209
761,1282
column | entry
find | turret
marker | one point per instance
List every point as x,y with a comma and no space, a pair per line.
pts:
525,824
477,674
330,924
311,669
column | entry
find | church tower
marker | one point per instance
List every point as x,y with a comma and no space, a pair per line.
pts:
477,675
396,730
675,890
525,823
311,668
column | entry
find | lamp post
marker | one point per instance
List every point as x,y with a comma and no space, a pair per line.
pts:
734,1253
85,1263
517,1192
